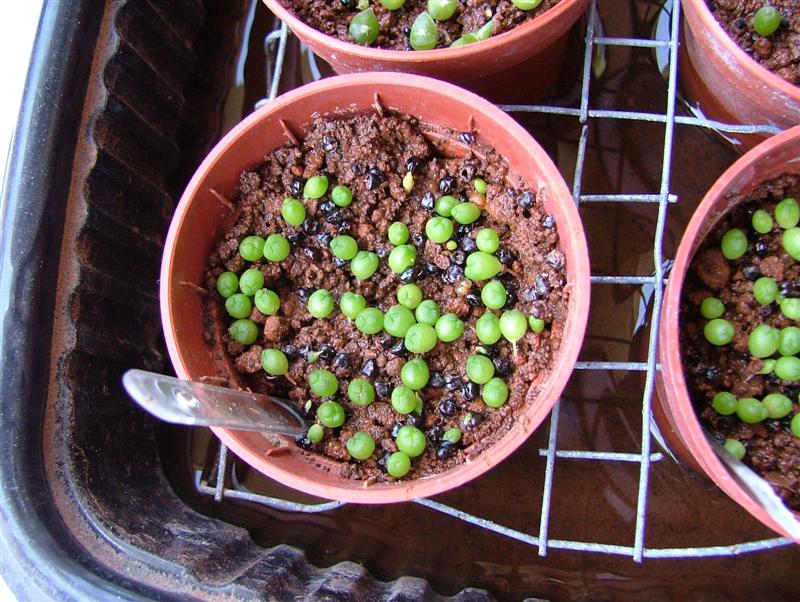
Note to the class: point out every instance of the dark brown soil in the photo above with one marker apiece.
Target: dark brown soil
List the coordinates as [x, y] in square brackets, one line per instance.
[332, 17]
[347, 150]
[779, 52]
[772, 450]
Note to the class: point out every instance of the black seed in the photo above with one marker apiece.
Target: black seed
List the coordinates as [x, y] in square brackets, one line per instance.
[383, 460]
[751, 272]
[324, 239]
[408, 275]
[399, 349]
[555, 258]
[447, 407]
[467, 137]
[446, 184]
[472, 419]
[382, 252]
[436, 380]
[358, 169]
[337, 216]
[413, 164]
[548, 221]
[789, 288]
[525, 200]
[407, 31]
[327, 206]
[453, 274]
[464, 230]
[445, 450]
[467, 172]
[772, 378]
[765, 311]
[784, 21]
[339, 263]
[329, 143]
[296, 187]
[434, 434]
[791, 391]
[302, 441]
[414, 419]
[290, 351]
[418, 238]
[542, 286]
[502, 366]
[472, 299]
[342, 360]
[311, 226]
[343, 227]
[470, 391]
[511, 299]
[396, 429]
[386, 342]
[431, 268]
[713, 374]
[382, 389]
[313, 253]
[375, 178]
[303, 293]
[326, 353]
[428, 200]
[368, 368]
[741, 23]
[295, 238]
[458, 257]
[530, 295]
[451, 382]
[468, 244]
[761, 248]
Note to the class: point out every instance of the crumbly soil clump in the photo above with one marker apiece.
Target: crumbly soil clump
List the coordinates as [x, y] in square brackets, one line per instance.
[771, 448]
[779, 52]
[332, 17]
[371, 154]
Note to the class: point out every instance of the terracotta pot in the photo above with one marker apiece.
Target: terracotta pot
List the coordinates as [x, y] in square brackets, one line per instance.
[726, 84]
[199, 216]
[674, 411]
[518, 64]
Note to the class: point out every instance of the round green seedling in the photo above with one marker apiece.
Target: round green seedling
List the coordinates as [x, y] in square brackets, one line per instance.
[251, 281]
[344, 247]
[495, 393]
[238, 305]
[439, 229]
[735, 448]
[323, 382]
[401, 258]
[444, 205]
[415, 374]
[341, 195]
[482, 266]
[315, 433]
[251, 248]
[487, 328]
[274, 362]
[442, 10]
[360, 446]
[361, 392]
[398, 233]
[409, 295]
[276, 247]
[778, 406]
[398, 464]
[321, 303]
[734, 244]
[423, 34]
[791, 242]
[765, 290]
[711, 308]
[725, 403]
[404, 400]
[787, 213]
[420, 338]
[364, 264]
[227, 284]
[750, 410]
[480, 369]
[767, 20]
[293, 211]
[410, 440]
[370, 320]
[449, 327]
[494, 295]
[331, 414]
[513, 325]
[267, 301]
[243, 331]
[762, 221]
[398, 320]
[763, 341]
[352, 304]
[719, 332]
[465, 213]
[316, 186]
[427, 312]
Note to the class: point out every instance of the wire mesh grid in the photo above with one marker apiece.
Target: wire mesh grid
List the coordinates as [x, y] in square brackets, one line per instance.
[275, 45]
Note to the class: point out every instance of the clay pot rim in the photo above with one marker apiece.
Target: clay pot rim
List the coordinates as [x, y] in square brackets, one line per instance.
[399, 57]
[672, 374]
[532, 415]
[700, 9]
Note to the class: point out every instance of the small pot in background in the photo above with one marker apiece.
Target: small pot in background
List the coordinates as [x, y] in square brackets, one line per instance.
[673, 408]
[728, 85]
[516, 65]
[199, 217]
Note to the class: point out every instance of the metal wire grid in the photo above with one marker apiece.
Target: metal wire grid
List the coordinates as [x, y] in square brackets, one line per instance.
[275, 46]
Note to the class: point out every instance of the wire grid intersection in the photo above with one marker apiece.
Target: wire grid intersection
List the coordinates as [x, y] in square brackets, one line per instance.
[275, 48]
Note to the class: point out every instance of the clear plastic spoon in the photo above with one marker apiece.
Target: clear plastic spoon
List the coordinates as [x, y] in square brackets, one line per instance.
[759, 489]
[197, 404]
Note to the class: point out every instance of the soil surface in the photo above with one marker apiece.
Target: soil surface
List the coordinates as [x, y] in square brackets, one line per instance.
[772, 450]
[371, 155]
[779, 52]
[333, 19]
